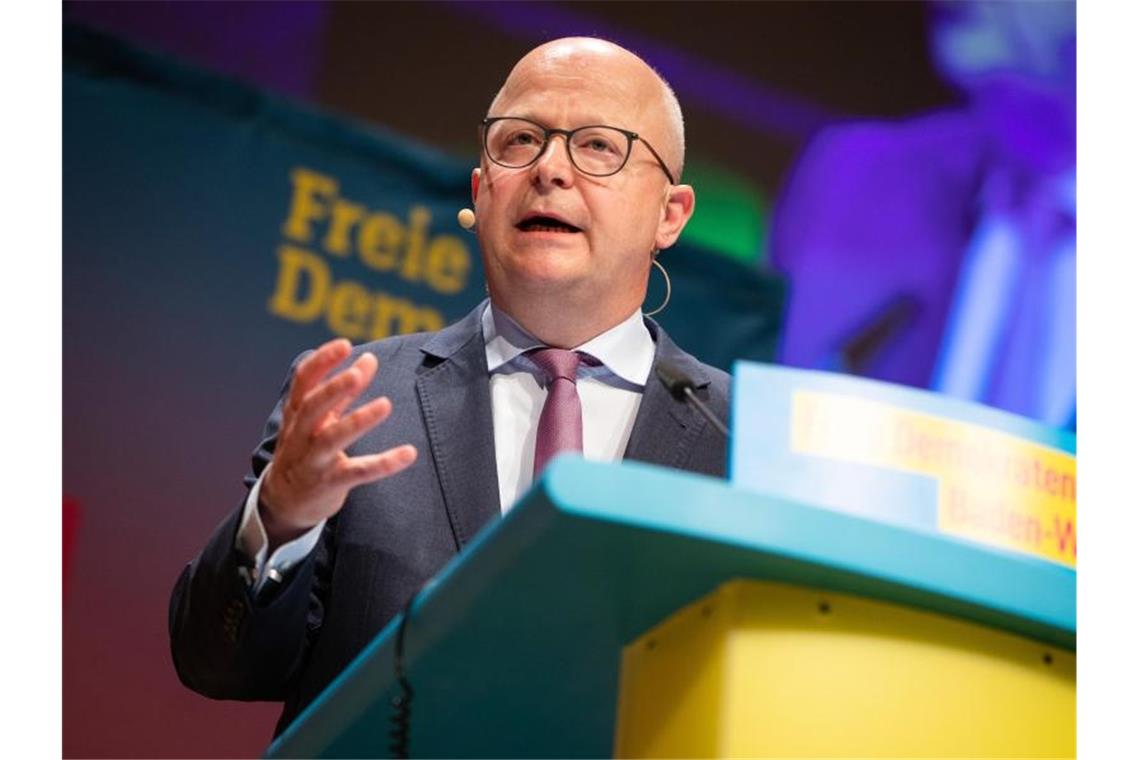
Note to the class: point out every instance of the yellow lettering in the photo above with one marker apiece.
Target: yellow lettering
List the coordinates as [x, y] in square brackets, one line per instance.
[306, 290]
[418, 220]
[287, 300]
[448, 263]
[379, 241]
[349, 305]
[306, 207]
[394, 316]
[383, 316]
[344, 216]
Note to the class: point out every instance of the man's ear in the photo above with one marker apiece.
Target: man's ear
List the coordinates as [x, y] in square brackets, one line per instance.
[675, 214]
[475, 173]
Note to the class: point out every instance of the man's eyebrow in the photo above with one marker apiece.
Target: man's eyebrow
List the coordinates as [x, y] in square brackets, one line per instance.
[591, 120]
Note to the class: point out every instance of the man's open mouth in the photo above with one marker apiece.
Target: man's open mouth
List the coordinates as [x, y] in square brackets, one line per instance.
[545, 224]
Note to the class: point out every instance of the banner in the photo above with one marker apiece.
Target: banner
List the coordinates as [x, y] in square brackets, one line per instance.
[913, 458]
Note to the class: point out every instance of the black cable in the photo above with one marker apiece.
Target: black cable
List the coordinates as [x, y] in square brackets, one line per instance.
[401, 718]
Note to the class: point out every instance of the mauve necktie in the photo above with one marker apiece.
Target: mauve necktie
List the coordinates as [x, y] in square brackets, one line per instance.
[560, 424]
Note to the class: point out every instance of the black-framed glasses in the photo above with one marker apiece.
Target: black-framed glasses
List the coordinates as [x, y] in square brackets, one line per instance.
[595, 149]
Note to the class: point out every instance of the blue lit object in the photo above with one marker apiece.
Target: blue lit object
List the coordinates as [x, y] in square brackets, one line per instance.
[989, 275]
[968, 213]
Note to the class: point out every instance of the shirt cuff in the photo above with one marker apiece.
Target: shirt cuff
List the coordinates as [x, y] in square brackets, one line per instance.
[254, 543]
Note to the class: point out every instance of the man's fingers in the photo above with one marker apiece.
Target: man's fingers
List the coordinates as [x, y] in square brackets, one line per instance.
[355, 471]
[315, 366]
[340, 389]
[351, 427]
[368, 371]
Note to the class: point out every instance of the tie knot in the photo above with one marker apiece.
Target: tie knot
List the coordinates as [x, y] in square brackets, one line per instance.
[557, 363]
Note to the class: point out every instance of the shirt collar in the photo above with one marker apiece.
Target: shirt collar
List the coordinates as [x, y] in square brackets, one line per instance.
[626, 349]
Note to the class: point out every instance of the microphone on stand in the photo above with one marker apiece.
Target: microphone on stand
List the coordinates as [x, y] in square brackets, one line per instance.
[680, 386]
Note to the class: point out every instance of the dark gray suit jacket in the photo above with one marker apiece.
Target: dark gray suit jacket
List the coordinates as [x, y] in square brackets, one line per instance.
[392, 536]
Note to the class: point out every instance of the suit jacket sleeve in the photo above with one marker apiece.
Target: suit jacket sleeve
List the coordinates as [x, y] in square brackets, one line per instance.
[228, 644]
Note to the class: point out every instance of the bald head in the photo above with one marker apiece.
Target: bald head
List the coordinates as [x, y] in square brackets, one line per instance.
[595, 61]
[567, 251]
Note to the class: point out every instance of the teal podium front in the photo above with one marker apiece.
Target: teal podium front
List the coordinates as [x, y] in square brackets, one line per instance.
[515, 649]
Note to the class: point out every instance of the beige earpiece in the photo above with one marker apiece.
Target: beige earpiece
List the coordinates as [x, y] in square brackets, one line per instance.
[466, 216]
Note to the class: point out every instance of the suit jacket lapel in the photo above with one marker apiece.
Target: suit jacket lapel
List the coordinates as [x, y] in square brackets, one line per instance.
[666, 429]
[455, 399]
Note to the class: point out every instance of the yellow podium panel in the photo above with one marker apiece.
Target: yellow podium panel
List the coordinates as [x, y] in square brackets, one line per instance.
[761, 669]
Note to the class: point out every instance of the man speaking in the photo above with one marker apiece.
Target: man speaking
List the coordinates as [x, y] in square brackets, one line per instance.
[381, 462]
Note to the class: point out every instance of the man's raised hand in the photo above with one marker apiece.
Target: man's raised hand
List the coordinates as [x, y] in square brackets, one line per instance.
[311, 475]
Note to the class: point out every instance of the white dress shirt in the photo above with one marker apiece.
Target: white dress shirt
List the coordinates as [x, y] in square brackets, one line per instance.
[610, 394]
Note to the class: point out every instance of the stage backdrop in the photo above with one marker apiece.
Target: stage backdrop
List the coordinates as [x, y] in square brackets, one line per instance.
[211, 233]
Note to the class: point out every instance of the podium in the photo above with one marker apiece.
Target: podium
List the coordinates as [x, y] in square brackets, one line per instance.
[516, 648]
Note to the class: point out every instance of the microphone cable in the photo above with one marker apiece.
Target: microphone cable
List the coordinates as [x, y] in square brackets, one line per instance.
[399, 734]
